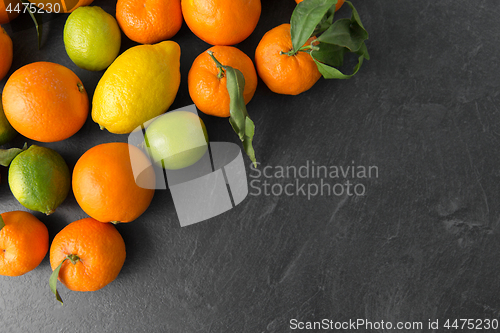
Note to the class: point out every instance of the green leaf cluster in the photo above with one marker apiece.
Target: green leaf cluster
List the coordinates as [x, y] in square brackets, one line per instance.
[314, 18]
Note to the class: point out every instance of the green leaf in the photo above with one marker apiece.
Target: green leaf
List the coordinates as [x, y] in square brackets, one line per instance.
[235, 85]
[325, 22]
[2, 223]
[355, 16]
[239, 119]
[363, 51]
[343, 36]
[37, 19]
[7, 155]
[53, 281]
[305, 18]
[346, 34]
[330, 54]
[330, 72]
[247, 143]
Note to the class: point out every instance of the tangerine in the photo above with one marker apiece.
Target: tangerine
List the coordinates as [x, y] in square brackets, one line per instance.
[61, 6]
[149, 21]
[6, 52]
[207, 85]
[9, 10]
[95, 253]
[24, 242]
[281, 72]
[105, 185]
[221, 22]
[45, 102]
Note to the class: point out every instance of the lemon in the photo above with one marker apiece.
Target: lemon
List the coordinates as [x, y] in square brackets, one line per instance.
[40, 179]
[176, 139]
[92, 38]
[7, 132]
[139, 85]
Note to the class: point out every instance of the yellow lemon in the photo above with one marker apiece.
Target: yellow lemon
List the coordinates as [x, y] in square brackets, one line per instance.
[139, 85]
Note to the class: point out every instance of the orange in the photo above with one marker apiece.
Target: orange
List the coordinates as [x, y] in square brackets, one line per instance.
[104, 183]
[45, 102]
[95, 253]
[5, 52]
[149, 21]
[15, 8]
[24, 241]
[207, 87]
[337, 6]
[283, 73]
[221, 22]
[61, 6]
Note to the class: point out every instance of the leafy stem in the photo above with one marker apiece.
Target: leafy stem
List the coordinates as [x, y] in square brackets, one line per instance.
[306, 48]
[55, 275]
[220, 67]
[334, 39]
[239, 119]
[2, 223]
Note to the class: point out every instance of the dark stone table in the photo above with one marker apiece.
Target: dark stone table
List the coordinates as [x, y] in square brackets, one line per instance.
[421, 244]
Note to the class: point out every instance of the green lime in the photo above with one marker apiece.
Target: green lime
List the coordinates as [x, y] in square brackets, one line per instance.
[40, 179]
[176, 139]
[7, 132]
[92, 38]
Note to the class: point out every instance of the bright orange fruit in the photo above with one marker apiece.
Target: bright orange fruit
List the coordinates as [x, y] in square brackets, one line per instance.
[207, 86]
[149, 21]
[95, 252]
[24, 242]
[6, 52]
[45, 102]
[283, 73]
[9, 10]
[104, 184]
[61, 6]
[221, 22]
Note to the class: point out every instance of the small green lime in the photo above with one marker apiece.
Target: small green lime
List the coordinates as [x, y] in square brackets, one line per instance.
[92, 38]
[176, 139]
[40, 179]
[7, 132]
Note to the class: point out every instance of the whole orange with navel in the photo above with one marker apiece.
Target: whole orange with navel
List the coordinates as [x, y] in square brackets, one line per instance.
[221, 22]
[45, 101]
[105, 185]
[6, 53]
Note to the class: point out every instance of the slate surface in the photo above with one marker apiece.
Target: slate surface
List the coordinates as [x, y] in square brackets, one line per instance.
[421, 244]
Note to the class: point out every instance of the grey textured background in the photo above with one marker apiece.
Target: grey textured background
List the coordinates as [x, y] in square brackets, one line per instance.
[423, 243]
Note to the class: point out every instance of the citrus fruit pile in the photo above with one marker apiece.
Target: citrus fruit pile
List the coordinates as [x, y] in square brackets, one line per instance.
[46, 102]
